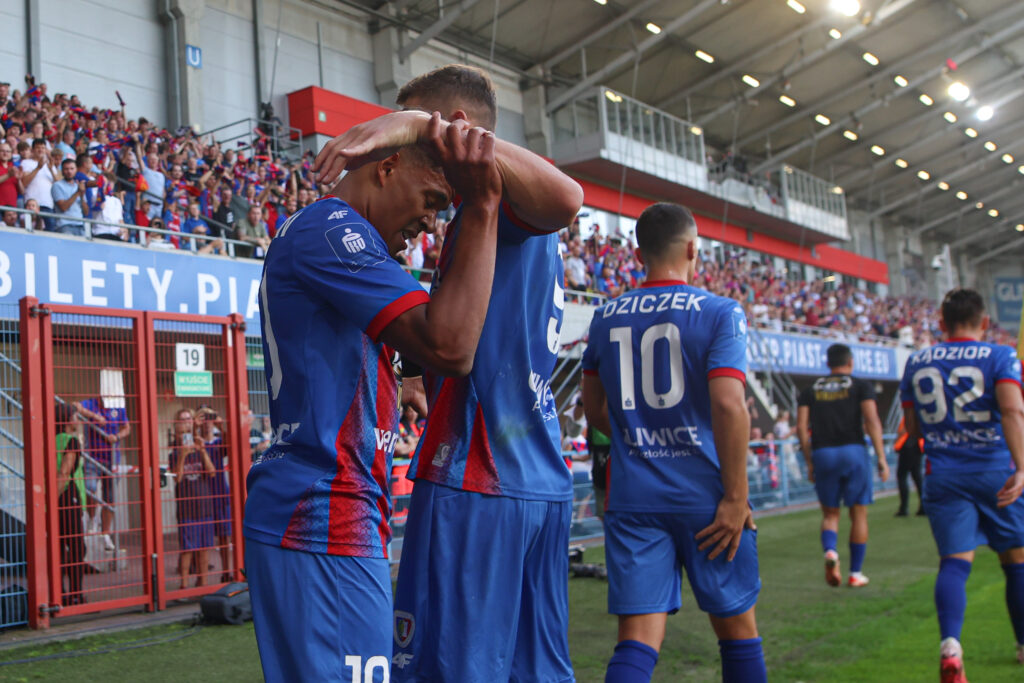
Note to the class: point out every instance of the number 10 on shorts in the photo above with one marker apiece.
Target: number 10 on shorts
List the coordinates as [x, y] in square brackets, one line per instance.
[355, 663]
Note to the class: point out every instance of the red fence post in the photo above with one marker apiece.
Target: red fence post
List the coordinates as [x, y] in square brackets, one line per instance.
[35, 464]
[240, 418]
[149, 459]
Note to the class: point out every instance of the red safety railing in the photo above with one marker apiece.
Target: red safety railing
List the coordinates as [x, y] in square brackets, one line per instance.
[155, 511]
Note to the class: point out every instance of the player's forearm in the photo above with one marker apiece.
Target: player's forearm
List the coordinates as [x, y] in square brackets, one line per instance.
[874, 430]
[456, 313]
[1013, 431]
[538, 192]
[731, 425]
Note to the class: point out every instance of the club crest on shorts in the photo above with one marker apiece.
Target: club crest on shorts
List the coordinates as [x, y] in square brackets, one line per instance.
[405, 627]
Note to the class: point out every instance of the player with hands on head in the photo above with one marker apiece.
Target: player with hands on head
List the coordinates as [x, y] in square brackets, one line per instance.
[664, 375]
[492, 445]
[832, 416]
[335, 306]
[963, 396]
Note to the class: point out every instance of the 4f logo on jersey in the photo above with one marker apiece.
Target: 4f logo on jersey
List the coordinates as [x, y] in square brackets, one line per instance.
[405, 627]
[340, 213]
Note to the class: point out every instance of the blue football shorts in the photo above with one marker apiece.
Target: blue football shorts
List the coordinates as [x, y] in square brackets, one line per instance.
[483, 589]
[320, 617]
[842, 474]
[961, 507]
[646, 553]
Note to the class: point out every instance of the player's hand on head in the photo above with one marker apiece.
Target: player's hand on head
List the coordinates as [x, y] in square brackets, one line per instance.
[370, 141]
[466, 154]
[1011, 490]
[726, 531]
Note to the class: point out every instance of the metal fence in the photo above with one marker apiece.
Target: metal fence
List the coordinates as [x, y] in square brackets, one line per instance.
[13, 565]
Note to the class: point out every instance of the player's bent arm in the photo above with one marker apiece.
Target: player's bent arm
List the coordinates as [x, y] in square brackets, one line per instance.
[730, 424]
[1011, 406]
[595, 403]
[803, 430]
[538, 192]
[443, 334]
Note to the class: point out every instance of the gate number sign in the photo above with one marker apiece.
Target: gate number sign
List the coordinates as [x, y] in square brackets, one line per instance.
[190, 357]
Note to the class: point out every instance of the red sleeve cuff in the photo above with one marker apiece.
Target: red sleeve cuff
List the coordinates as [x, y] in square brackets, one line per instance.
[394, 309]
[1012, 380]
[519, 222]
[728, 372]
[907, 404]
[588, 371]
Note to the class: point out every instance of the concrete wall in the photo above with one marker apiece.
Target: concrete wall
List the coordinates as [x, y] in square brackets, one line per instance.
[13, 48]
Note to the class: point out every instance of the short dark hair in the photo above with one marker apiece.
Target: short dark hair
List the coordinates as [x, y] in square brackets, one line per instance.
[66, 161]
[962, 307]
[82, 158]
[39, 141]
[467, 85]
[838, 355]
[63, 413]
[662, 224]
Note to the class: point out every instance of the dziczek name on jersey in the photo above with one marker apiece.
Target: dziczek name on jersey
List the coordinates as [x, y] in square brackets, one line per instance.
[654, 303]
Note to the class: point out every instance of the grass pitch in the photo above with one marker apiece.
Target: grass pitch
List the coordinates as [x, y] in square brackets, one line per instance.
[884, 632]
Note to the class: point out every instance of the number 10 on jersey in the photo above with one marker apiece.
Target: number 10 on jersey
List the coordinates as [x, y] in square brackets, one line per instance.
[623, 336]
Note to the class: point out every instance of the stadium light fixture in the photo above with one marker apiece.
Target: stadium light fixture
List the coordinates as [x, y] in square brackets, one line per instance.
[850, 135]
[822, 119]
[924, 175]
[601, 2]
[835, 33]
[837, 190]
[994, 213]
[848, 8]
[750, 80]
[1007, 158]
[959, 91]
[900, 81]
[787, 100]
[1020, 169]
[979, 205]
[991, 146]
[829, 278]
[1020, 227]
[704, 57]
[796, 6]
[902, 163]
[943, 185]
[613, 96]
[877, 150]
[970, 132]
[697, 130]
[961, 195]
[870, 58]
[949, 116]
[926, 100]
[653, 28]
[985, 113]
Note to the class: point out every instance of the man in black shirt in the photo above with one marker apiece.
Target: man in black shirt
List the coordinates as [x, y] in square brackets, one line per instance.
[832, 417]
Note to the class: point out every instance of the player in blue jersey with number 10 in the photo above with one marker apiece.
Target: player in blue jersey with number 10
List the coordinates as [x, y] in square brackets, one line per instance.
[964, 397]
[665, 369]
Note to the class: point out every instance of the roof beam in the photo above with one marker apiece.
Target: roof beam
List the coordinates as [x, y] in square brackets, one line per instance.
[590, 36]
[934, 72]
[997, 251]
[805, 61]
[975, 236]
[623, 59]
[435, 29]
[733, 68]
[934, 223]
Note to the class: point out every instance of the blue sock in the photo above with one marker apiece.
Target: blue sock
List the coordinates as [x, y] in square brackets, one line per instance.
[951, 595]
[1015, 598]
[857, 551]
[633, 662]
[829, 539]
[742, 661]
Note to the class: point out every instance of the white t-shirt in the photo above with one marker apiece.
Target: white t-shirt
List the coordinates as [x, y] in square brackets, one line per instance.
[112, 212]
[42, 183]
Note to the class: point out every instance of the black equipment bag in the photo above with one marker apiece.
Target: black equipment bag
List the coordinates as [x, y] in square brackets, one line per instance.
[230, 605]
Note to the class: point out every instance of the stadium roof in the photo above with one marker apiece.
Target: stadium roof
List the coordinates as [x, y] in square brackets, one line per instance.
[906, 104]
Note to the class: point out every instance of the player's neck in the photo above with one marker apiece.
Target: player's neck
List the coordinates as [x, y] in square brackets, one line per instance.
[667, 274]
[349, 190]
[964, 334]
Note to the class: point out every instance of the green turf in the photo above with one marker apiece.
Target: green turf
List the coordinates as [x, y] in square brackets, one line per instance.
[884, 632]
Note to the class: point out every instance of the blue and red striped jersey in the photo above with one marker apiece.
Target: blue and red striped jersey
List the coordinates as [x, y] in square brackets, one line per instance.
[329, 289]
[496, 430]
[656, 349]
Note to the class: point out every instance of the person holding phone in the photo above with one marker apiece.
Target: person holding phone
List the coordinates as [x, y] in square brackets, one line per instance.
[192, 469]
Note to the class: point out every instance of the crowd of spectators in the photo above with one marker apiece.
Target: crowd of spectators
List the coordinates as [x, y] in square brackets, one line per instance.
[59, 157]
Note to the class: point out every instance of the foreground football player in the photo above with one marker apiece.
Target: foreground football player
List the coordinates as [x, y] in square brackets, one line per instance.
[665, 369]
[335, 306]
[964, 397]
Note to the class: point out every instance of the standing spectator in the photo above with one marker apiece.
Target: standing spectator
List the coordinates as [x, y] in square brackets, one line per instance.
[259, 437]
[69, 200]
[156, 183]
[576, 269]
[107, 427]
[210, 435]
[112, 215]
[10, 174]
[70, 504]
[173, 222]
[834, 413]
[66, 146]
[289, 206]
[253, 230]
[192, 469]
[909, 462]
[783, 430]
[127, 173]
[38, 173]
[32, 221]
